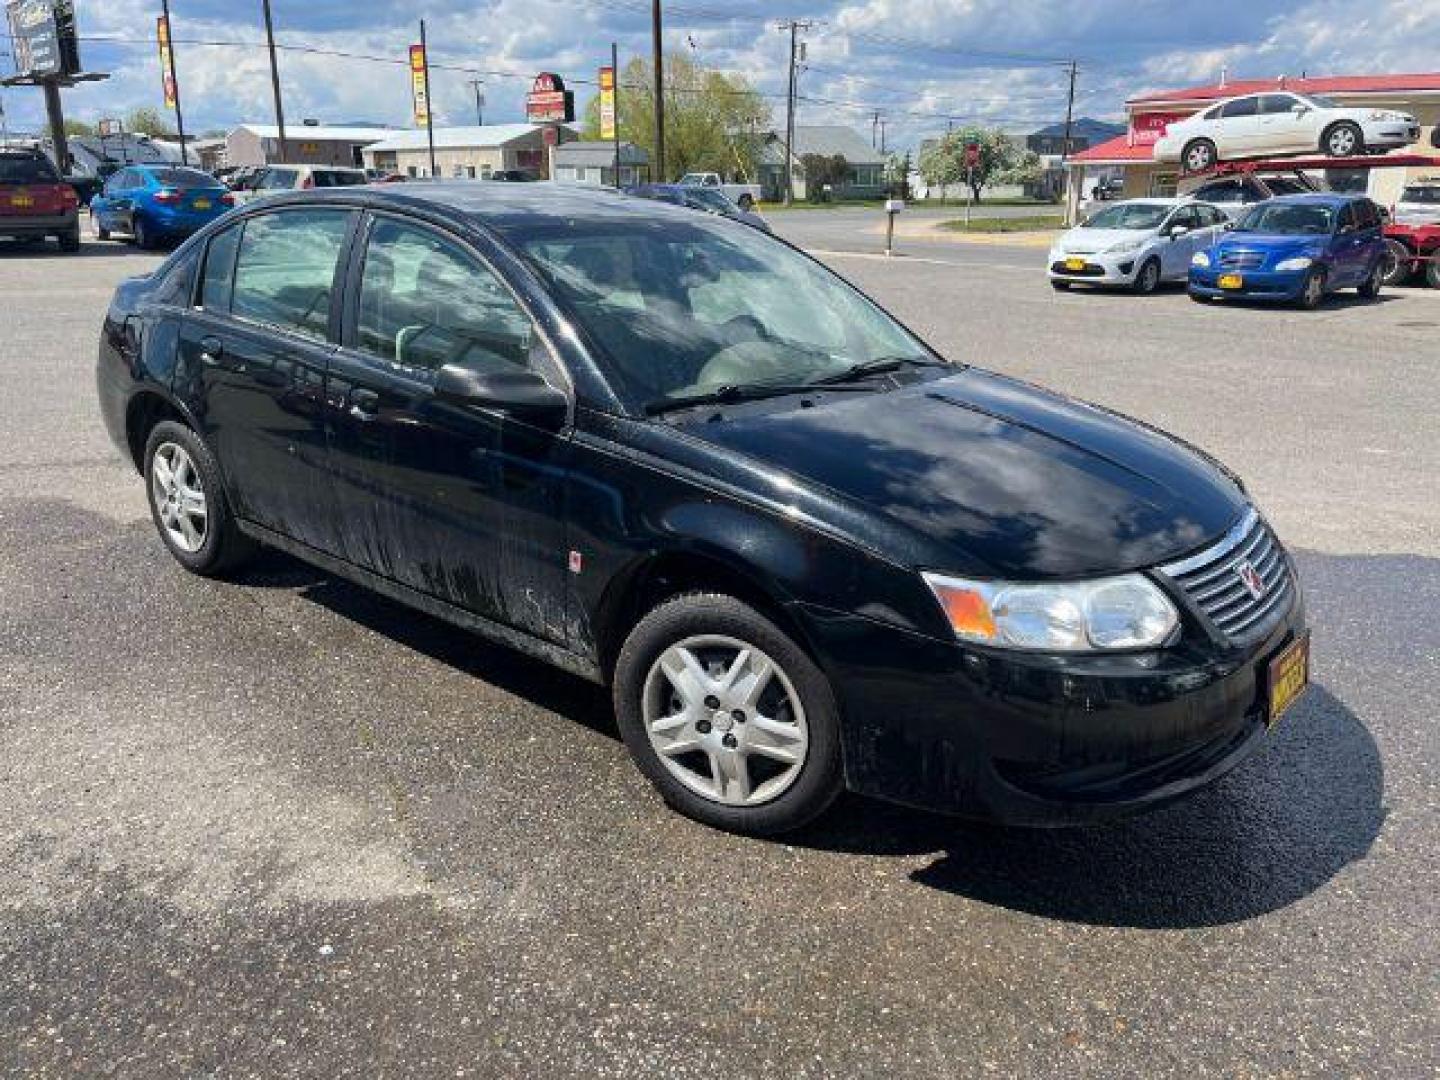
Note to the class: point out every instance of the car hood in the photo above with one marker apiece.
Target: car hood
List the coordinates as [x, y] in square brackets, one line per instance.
[1089, 241]
[1280, 244]
[994, 477]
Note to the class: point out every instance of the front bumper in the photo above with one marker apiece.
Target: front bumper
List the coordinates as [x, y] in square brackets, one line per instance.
[1098, 269]
[1390, 133]
[1254, 284]
[1042, 740]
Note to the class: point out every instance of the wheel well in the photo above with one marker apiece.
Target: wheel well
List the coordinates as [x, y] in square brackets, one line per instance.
[143, 413]
[672, 574]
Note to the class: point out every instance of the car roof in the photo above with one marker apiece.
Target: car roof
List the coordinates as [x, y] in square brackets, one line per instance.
[1316, 198]
[513, 209]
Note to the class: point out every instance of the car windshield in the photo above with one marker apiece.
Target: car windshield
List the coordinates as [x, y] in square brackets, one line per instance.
[184, 178]
[677, 309]
[1421, 193]
[1288, 219]
[1128, 216]
[1285, 185]
[27, 170]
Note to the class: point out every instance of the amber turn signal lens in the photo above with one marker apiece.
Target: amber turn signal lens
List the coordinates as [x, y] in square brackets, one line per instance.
[968, 611]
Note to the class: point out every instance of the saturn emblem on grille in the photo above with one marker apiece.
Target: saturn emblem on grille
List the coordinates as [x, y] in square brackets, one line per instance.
[1251, 579]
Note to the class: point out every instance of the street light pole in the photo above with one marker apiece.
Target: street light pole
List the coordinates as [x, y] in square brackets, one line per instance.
[657, 47]
[174, 80]
[275, 79]
[429, 102]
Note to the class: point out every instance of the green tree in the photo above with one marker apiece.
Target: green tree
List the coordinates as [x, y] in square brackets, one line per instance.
[148, 121]
[898, 168]
[78, 128]
[1003, 160]
[711, 119]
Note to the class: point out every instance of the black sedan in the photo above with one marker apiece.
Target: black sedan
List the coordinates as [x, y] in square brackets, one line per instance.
[675, 455]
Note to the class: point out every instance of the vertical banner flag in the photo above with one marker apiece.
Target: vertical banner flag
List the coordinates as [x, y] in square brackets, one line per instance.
[167, 66]
[417, 85]
[607, 103]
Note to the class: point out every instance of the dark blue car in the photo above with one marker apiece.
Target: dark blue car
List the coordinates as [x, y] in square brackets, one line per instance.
[1295, 248]
[154, 203]
[698, 198]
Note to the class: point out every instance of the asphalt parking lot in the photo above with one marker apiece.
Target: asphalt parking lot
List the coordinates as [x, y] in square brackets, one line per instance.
[279, 826]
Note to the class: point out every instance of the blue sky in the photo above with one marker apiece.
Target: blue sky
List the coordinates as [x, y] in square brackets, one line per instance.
[918, 61]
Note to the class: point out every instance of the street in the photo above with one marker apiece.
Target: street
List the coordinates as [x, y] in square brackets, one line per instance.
[282, 826]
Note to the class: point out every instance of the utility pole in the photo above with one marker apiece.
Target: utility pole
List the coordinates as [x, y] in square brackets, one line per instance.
[874, 124]
[615, 97]
[657, 47]
[174, 81]
[794, 26]
[1069, 115]
[475, 85]
[882, 136]
[429, 101]
[275, 79]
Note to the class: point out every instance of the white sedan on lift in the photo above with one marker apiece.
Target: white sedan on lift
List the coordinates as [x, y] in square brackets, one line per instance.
[1282, 122]
[1136, 244]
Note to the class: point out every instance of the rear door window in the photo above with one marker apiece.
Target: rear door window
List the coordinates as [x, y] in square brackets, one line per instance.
[1245, 106]
[285, 272]
[1270, 104]
[219, 270]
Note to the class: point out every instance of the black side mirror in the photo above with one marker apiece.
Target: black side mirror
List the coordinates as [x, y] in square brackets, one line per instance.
[520, 393]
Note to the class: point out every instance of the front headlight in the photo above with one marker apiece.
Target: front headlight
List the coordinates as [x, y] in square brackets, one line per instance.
[1300, 262]
[1124, 246]
[1126, 612]
[1199, 259]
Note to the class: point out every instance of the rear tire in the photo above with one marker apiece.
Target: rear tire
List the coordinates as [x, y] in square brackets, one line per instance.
[1399, 263]
[1060, 286]
[1199, 298]
[70, 241]
[201, 533]
[746, 202]
[1371, 287]
[1432, 270]
[1343, 140]
[141, 232]
[748, 725]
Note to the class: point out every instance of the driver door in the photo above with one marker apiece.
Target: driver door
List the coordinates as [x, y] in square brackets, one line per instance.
[461, 503]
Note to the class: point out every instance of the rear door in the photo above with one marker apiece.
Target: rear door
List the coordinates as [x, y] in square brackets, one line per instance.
[1351, 248]
[1175, 252]
[1279, 128]
[253, 358]
[463, 504]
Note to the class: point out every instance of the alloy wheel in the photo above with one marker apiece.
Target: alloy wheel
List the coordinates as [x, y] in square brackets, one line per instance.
[179, 497]
[1198, 158]
[1314, 290]
[725, 720]
[1341, 142]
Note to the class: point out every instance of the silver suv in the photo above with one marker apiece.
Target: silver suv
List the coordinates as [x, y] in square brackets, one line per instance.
[1419, 203]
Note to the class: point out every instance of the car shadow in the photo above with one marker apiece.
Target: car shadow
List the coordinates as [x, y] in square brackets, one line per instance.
[89, 248]
[1265, 836]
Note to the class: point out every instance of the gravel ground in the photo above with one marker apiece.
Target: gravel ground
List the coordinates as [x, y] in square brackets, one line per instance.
[282, 827]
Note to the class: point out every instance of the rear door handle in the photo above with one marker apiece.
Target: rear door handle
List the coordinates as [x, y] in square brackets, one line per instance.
[364, 404]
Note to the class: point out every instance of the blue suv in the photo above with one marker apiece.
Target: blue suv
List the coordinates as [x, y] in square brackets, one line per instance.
[1295, 248]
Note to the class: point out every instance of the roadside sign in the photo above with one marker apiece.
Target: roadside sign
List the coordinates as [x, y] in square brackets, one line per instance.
[607, 103]
[167, 62]
[548, 101]
[419, 95]
[972, 155]
[43, 37]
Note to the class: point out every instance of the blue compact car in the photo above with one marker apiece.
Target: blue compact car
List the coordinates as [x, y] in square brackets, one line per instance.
[1295, 248]
[154, 203]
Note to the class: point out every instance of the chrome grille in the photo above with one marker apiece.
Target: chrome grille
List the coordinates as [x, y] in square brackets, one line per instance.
[1212, 579]
[1242, 260]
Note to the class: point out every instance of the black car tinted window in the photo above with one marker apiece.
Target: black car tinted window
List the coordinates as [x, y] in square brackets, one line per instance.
[219, 270]
[1245, 106]
[27, 170]
[1226, 191]
[286, 268]
[1277, 103]
[425, 302]
[338, 178]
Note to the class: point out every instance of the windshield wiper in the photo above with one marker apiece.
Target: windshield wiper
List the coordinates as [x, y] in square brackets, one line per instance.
[880, 366]
[731, 393]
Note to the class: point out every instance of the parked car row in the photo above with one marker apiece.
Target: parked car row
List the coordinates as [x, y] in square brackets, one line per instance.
[1296, 248]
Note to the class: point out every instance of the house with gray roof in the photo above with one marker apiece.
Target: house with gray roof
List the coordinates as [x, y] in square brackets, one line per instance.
[866, 165]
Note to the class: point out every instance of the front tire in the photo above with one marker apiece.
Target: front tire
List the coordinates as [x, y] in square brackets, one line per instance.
[1199, 156]
[1343, 140]
[1313, 291]
[1399, 263]
[188, 504]
[727, 716]
[1147, 278]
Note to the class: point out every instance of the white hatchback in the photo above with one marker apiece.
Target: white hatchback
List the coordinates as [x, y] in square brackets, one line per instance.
[1278, 123]
[1137, 243]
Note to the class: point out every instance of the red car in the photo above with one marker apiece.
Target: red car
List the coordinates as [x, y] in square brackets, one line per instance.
[1413, 232]
[35, 201]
